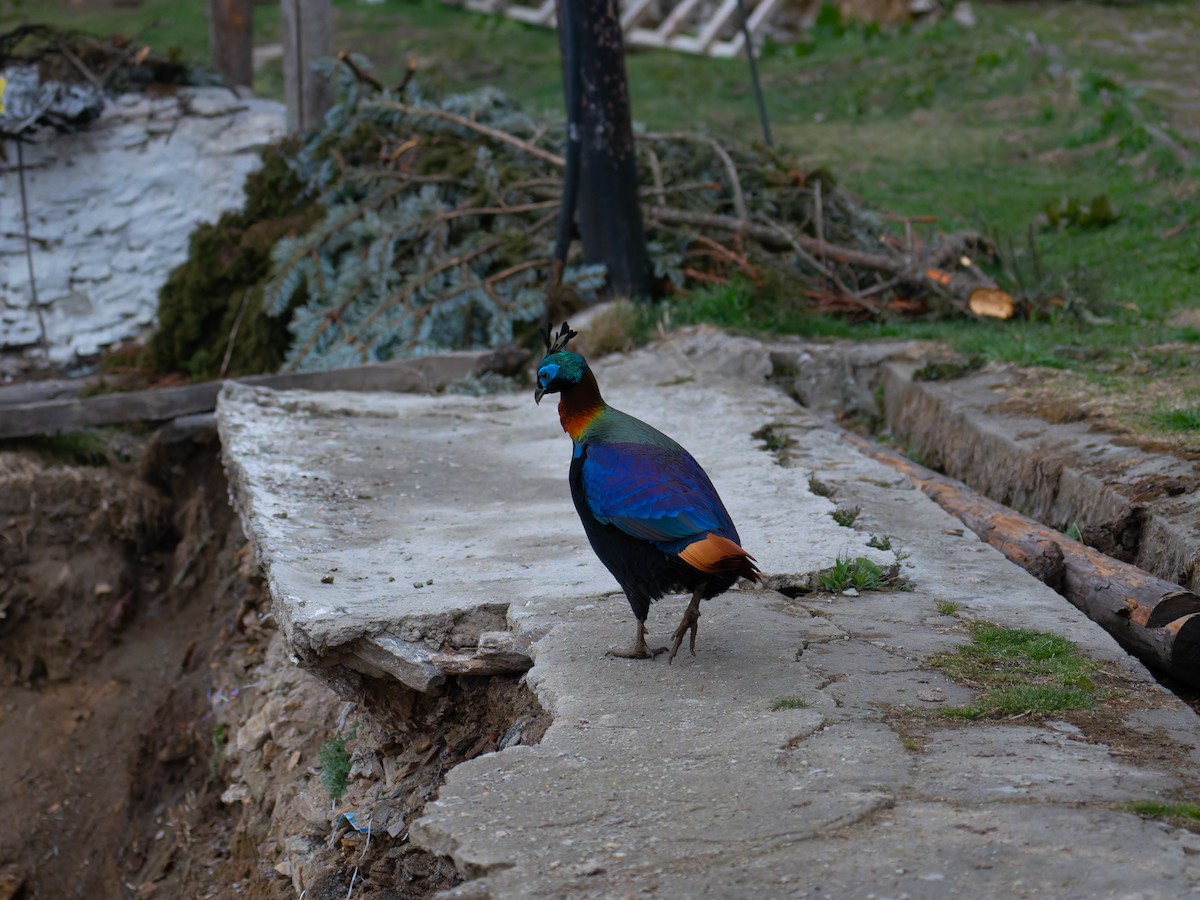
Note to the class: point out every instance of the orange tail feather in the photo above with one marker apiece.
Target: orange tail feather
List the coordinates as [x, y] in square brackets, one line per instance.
[719, 555]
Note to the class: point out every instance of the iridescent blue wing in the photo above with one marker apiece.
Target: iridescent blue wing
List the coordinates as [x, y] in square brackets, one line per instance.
[658, 494]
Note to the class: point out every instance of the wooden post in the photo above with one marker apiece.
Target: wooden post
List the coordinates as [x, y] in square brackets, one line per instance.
[307, 36]
[231, 36]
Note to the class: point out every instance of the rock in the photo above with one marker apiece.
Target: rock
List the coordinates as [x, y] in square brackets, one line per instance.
[254, 733]
[112, 207]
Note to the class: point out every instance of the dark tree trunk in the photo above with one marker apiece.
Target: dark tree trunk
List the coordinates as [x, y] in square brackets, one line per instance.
[231, 35]
[608, 215]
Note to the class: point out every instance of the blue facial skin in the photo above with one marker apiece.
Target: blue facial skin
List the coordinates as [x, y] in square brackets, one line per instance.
[545, 377]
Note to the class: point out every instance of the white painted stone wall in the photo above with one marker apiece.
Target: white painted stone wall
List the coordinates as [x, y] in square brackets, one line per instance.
[111, 209]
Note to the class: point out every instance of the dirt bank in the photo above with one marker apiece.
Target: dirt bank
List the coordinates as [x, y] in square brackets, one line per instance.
[159, 741]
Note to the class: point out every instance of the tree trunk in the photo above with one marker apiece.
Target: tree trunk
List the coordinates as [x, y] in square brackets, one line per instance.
[307, 35]
[231, 36]
[608, 215]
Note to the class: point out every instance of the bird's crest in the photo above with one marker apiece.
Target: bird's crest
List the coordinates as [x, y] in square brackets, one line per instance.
[559, 341]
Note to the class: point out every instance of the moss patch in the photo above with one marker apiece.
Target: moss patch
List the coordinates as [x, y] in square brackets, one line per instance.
[227, 264]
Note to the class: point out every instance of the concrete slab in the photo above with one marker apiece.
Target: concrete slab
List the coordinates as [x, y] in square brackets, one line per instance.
[689, 780]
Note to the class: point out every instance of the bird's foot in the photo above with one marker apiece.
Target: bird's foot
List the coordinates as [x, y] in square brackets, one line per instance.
[637, 651]
[689, 623]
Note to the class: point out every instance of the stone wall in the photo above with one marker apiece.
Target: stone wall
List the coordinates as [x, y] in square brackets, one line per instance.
[111, 208]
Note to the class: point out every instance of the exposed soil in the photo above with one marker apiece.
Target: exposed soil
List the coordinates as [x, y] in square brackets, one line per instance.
[159, 742]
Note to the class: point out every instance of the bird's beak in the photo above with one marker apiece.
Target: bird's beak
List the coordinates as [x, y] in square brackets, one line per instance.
[538, 394]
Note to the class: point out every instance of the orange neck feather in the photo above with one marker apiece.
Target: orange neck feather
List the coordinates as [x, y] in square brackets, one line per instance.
[579, 405]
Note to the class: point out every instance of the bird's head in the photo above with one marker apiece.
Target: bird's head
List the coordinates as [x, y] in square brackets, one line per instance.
[559, 371]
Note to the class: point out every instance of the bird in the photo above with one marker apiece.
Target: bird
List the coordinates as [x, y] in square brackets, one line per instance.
[649, 510]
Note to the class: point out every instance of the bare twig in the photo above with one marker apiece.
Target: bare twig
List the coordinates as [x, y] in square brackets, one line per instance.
[359, 75]
[33, 295]
[656, 173]
[735, 184]
[497, 210]
[78, 64]
[233, 333]
[778, 238]
[493, 133]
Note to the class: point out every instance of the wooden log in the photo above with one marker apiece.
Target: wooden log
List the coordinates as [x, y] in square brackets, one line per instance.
[231, 40]
[307, 27]
[1155, 620]
[424, 373]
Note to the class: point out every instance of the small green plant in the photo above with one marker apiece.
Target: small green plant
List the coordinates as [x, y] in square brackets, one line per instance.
[1074, 532]
[1019, 672]
[846, 515]
[790, 703]
[859, 573]
[1152, 809]
[219, 739]
[947, 607]
[1176, 418]
[880, 542]
[335, 766]
[820, 488]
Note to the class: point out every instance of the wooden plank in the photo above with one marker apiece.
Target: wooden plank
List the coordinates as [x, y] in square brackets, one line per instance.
[231, 40]
[1155, 620]
[425, 373]
[718, 20]
[676, 19]
[541, 15]
[634, 14]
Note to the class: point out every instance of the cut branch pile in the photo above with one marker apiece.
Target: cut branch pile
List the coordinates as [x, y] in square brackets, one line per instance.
[438, 223]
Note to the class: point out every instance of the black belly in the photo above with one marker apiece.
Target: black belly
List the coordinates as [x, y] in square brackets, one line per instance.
[644, 572]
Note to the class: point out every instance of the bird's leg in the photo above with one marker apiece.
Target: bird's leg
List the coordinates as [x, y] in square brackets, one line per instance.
[689, 622]
[639, 650]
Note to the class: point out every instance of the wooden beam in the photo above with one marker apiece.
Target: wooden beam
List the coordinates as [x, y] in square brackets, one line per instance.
[307, 27]
[1155, 620]
[420, 374]
[231, 40]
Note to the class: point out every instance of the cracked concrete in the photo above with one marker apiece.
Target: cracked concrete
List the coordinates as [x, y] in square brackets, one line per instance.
[694, 779]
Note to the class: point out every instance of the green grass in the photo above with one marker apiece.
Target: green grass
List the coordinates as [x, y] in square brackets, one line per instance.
[790, 703]
[859, 573]
[1185, 812]
[1019, 672]
[1177, 419]
[880, 542]
[947, 607]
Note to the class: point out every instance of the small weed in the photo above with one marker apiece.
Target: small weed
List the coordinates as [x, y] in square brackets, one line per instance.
[846, 515]
[790, 703]
[880, 542]
[1186, 813]
[1177, 419]
[911, 743]
[859, 573]
[219, 740]
[1019, 672]
[1074, 532]
[948, 370]
[820, 488]
[775, 439]
[335, 766]
[947, 607]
